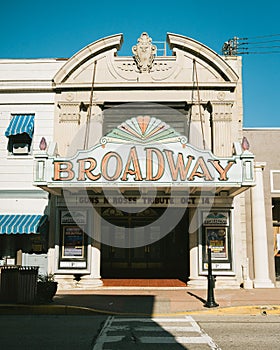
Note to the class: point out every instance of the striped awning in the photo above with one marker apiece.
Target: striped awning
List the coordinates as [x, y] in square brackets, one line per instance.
[21, 123]
[12, 224]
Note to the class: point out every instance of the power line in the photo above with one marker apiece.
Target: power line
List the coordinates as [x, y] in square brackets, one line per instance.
[260, 47]
[259, 42]
[258, 53]
[240, 46]
[262, 36]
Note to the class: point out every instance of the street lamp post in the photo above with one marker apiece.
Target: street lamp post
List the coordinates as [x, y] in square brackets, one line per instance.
[211, 282]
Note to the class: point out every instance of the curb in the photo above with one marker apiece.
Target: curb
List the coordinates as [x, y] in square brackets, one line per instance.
[254, 310]
[16, 309]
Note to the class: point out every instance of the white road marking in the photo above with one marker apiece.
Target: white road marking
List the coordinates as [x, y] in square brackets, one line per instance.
[155, 319]
[173, 340]
[166, 328]
[125, 330]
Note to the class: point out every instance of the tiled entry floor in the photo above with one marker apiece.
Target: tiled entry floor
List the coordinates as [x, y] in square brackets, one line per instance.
[116, 282]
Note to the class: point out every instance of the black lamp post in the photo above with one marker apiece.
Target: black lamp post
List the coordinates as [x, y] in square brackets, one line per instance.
[211, 282]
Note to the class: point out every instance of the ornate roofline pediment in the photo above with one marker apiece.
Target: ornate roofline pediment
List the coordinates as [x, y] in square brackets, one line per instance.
[101, 45]
[144, 57]
[204, 53]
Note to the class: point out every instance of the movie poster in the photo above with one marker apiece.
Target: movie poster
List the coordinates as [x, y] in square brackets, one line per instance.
[217, 240]
[73, 242]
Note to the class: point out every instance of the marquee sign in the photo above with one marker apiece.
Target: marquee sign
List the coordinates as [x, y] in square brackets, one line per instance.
[143, 150]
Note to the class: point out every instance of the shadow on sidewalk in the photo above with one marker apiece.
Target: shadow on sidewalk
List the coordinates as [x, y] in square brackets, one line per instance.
[197, 297]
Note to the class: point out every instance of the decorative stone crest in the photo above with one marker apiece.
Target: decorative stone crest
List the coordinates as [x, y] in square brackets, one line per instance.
[144, 53]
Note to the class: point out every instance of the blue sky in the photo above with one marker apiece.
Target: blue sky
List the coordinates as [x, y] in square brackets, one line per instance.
[41, 29]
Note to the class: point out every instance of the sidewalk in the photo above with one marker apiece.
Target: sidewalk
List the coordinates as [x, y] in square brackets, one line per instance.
[155, 302]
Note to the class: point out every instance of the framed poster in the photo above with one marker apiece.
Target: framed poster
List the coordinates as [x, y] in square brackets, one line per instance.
[73, 242]
[216, 238]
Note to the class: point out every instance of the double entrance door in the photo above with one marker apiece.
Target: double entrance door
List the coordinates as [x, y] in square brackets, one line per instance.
[140, 248]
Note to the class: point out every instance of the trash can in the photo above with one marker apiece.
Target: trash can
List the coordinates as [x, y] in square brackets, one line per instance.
[27, 284]
[19, 284]
[9, 284]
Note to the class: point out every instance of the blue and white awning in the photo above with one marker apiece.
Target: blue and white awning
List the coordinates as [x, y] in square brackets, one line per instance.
[12, 224]
[21, 123]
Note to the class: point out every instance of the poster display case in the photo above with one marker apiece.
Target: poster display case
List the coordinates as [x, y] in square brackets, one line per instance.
[216, 235]
[73, 240]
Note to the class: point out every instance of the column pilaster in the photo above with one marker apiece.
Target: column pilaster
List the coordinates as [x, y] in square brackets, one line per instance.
[221, 123]
[94, 278]
[95, 125]
[261, 267]
[196, 134]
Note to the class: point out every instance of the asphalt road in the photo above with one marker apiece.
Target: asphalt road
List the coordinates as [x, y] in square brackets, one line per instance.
[98, 332]
[40, 332]
[242, 332]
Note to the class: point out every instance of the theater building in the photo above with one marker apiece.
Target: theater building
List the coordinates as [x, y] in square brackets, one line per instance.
[130, 166]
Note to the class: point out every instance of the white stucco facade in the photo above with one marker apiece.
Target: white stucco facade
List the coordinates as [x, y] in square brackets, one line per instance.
[72, 100]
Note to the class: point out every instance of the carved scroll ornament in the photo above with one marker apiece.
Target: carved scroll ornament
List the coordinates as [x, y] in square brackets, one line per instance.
[144, 53]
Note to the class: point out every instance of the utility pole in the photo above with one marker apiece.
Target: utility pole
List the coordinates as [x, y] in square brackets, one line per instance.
[230, 47]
